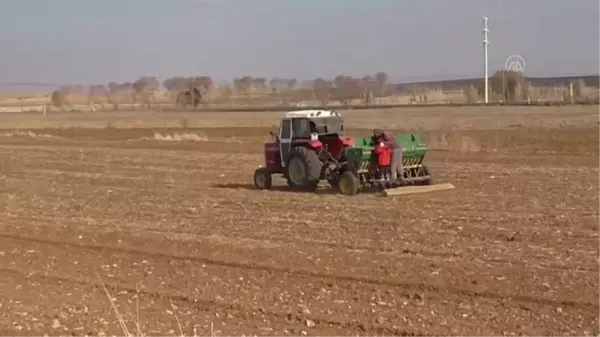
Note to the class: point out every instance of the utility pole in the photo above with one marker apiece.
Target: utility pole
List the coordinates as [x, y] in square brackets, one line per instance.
[485, 58]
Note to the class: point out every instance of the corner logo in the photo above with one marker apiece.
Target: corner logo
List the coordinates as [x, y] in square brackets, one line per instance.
[515, 63]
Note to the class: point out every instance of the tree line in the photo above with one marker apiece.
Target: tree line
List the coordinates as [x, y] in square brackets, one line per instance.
[190, 91]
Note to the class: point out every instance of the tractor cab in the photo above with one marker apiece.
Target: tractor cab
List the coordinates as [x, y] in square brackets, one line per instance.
[315, 129]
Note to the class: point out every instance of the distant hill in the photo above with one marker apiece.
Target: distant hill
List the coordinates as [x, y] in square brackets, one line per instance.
[590, 80]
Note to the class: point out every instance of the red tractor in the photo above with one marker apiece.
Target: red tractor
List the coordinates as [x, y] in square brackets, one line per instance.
[309, 147]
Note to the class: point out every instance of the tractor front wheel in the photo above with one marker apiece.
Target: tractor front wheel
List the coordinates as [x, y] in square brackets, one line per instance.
[262, 179]
[348, 184]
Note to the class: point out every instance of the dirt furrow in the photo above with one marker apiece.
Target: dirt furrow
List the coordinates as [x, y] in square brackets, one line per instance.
[377, 269]
[252, 313]
[282, 296]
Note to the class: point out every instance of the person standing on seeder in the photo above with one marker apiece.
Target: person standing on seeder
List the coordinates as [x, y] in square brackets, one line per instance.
[390, 141]
[384, 160]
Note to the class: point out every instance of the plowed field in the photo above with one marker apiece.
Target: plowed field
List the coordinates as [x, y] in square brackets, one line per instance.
[172, 233]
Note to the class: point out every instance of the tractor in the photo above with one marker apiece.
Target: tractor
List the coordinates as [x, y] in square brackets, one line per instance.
[310, 146]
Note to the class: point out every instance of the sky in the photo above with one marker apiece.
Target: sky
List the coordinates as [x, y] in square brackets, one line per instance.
[95, 42]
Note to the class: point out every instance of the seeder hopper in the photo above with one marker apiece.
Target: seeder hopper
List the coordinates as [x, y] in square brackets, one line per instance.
[311, 147]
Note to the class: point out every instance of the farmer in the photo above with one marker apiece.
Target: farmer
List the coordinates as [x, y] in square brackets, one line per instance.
[384, 160]
[388, 139]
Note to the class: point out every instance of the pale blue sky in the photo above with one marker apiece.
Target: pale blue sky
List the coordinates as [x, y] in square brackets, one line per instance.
[88, 42]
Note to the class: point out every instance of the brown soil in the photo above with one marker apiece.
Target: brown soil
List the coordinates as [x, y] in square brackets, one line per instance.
[176, 232]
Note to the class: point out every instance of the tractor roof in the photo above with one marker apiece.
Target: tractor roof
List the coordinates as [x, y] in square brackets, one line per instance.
[311, 114]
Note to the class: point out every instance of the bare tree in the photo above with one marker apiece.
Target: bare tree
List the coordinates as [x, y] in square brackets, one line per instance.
[508, 84]
[120, 93]
[369, 88]
[58, 99]
[113, 87]
[347, 88]
[98, 94]
[381, 79]
[175, 86]
[144, 89]
[197, 88]
[191, 90]
[67, 95]
[321, 90]
[246, 84]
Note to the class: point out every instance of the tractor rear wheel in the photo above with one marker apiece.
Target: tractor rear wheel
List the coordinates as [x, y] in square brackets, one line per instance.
[348, 183]
[262, 179]
[303, 168]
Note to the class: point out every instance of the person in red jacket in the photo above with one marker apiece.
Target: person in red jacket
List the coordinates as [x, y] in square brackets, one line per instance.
[384, 160]
[388, 139]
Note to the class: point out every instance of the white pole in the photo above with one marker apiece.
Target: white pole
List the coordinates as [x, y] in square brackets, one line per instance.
[485, 58]
[571, 93]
